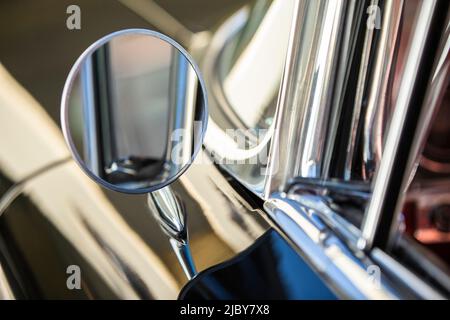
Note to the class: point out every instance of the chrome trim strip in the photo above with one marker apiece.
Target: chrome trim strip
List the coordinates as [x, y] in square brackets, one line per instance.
[382, 178]
[359, 96]
[347, 48]
[333, 220]
[346, 273]
[379, 99]
[304, 102]
[90, 114]
[406, 277]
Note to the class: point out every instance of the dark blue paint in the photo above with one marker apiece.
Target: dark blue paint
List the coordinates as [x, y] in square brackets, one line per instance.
[269, 269]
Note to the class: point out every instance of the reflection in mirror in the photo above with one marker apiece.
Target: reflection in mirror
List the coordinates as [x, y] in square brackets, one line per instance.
[134, 111]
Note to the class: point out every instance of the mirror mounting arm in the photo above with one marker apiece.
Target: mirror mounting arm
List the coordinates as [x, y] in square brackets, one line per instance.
[170, 213]
[183, 253]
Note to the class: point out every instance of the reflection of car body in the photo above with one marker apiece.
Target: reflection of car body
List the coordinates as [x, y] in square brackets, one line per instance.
[325, 91]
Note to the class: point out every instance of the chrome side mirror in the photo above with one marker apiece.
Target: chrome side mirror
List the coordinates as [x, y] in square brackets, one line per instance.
[134, 114]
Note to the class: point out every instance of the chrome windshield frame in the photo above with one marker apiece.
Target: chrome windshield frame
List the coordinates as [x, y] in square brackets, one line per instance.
[284, 164]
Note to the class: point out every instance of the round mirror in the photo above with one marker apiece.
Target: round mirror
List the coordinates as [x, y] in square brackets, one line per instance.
[134, 111]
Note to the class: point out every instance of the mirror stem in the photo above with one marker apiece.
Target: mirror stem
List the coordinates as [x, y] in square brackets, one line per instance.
[170, 213]
[183, 253]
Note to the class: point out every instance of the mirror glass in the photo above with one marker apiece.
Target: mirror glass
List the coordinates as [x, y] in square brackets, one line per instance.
[134, 111]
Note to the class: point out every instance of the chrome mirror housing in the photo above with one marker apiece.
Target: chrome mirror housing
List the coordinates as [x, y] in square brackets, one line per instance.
[134, 114]
[133, 111]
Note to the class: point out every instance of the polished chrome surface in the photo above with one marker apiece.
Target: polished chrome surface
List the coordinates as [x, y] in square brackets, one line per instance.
[376, 107]
[346, 56]
[323, 209]
[348, 272]
[363, 74]
[134, 124]
[184, 256]
[303, 108]
[378, 103]
[408, 80]
[335, 101]
[372, 104]
[169, 211]
[317, 58]
[345, 272]
[407, 278]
